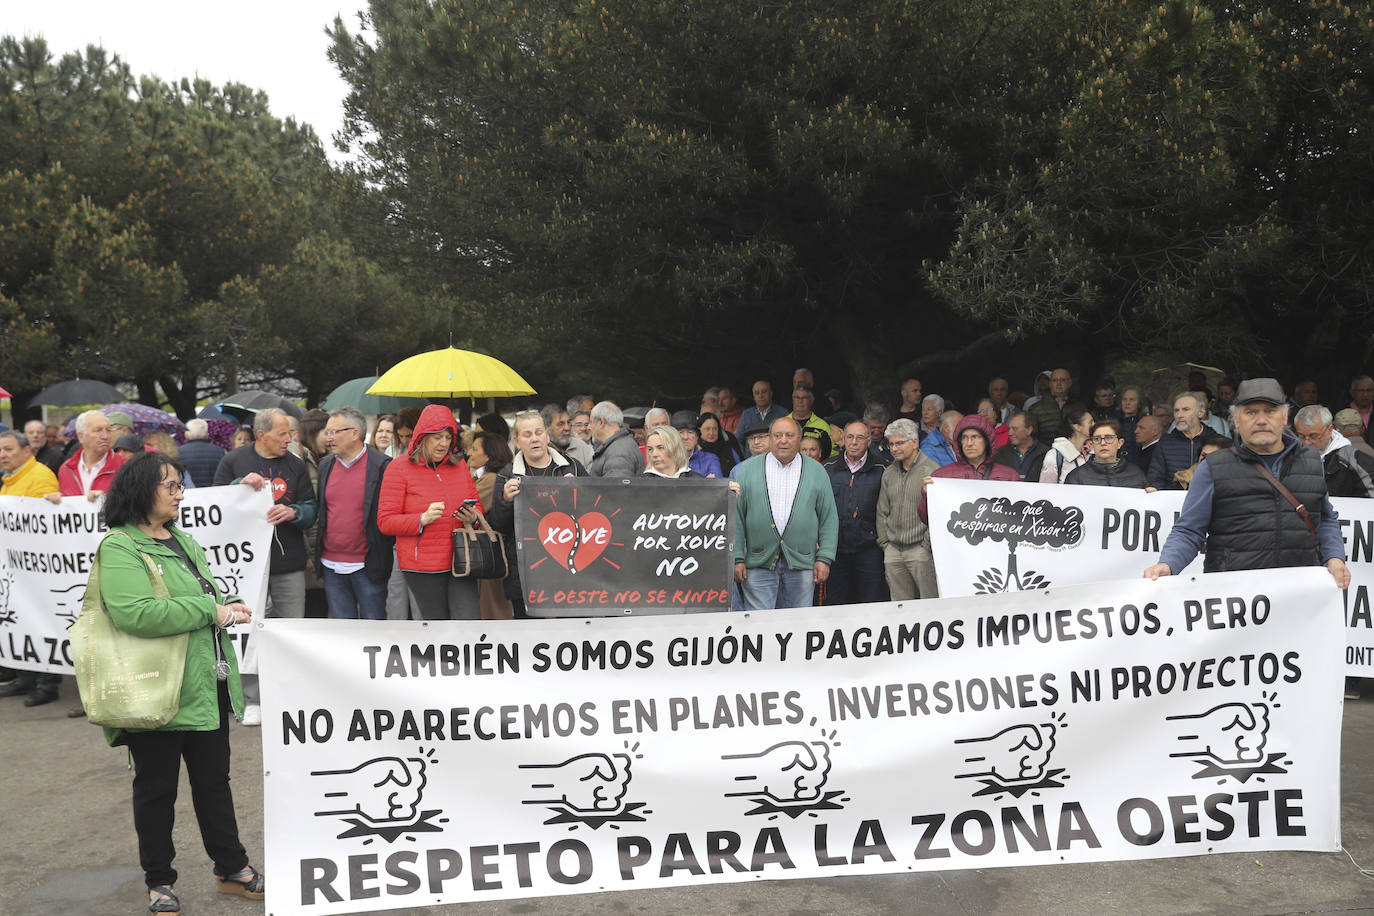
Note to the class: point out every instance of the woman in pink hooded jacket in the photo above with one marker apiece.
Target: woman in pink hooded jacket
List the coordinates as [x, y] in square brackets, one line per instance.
[425, 493]
[973, 458]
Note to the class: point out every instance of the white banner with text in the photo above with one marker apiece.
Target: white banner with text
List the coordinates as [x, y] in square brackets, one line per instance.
[48, 550]
[992, 537]
[422, 763]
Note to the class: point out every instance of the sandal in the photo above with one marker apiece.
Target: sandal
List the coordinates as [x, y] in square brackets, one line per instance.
[247, 883]
[162, 900]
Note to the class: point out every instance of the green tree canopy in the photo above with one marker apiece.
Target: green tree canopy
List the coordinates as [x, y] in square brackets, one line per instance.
[135, 215]
[696, 183]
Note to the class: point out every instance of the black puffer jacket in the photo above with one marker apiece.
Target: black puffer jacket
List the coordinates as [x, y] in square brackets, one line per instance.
[1253, 525]
[1119, 473]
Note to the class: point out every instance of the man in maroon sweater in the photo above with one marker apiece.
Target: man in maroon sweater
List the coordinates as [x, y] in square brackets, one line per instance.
[353, 557]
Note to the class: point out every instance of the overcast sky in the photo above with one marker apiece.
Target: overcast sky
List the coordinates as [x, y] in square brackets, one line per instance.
[278, 47]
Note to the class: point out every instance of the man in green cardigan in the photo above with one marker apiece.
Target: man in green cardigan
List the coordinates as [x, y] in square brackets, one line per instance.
[787, 527]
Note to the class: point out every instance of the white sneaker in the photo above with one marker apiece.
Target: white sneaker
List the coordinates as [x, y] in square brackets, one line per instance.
[252, 715]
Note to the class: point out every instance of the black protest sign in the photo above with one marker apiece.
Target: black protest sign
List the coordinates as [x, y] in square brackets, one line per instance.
[593, 547]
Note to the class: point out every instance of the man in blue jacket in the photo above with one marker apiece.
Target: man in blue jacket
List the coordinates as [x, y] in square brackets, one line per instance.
[787, 525]
[856, 476]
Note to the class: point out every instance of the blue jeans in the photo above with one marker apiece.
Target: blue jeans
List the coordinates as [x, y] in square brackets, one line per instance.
[354, 595]
[779, 587]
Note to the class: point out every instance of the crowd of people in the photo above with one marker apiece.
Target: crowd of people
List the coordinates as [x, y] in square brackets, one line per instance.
[830, 510]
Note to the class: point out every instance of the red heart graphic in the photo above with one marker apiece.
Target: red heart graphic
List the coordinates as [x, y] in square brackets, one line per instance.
[278, 488]
[574, 543]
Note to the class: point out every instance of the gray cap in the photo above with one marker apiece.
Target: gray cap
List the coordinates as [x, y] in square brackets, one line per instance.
[1260, 389]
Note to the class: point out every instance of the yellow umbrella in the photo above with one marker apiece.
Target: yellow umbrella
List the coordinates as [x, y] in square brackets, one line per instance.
[450, 373]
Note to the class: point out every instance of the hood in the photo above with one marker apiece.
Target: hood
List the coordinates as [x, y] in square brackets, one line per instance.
[1338, 441]
[978, 423]
[434, 418]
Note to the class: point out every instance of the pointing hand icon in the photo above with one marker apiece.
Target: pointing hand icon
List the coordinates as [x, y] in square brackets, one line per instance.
[586, 783]
[787, 772]
[1015, 754]
[381, 790]
[1230, 733]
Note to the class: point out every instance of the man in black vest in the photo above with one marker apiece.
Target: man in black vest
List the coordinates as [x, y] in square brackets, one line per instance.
[1245, 520]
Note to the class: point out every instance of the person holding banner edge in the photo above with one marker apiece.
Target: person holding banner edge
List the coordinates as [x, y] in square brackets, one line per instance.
[25, 475]
[141, 509]
[1239, 502]
[533, 458]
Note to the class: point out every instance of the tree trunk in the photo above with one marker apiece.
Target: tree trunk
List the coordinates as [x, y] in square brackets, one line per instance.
[181, 398]
[147, 388]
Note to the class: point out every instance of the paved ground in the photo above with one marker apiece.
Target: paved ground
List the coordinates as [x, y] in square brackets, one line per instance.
[69, 848]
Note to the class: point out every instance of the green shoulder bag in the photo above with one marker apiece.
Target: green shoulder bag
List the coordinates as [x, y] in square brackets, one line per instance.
[126, 681]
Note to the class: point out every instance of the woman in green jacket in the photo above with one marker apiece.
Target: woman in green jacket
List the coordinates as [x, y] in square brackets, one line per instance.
[141, 509]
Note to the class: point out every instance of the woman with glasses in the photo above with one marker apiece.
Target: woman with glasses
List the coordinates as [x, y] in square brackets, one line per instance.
[1109, 466]
[141, 509]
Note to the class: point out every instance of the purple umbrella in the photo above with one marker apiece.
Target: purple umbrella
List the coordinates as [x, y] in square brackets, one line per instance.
[222, 432]
[145, 420]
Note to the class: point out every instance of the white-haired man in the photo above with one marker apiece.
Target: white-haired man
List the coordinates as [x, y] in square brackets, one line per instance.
[88, 472]
[1348, 472]
[200, 456]
[615, 453]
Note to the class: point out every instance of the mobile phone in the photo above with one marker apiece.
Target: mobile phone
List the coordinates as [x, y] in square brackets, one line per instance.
[467, 504]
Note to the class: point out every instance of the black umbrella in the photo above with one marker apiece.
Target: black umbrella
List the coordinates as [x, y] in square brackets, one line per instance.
[77, 391]
[259, 400]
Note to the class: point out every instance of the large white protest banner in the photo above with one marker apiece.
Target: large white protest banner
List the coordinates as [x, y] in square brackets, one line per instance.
[410, 763]
[995, 537]
[48, 550]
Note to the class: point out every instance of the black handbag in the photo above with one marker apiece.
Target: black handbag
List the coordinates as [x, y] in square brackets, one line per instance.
[479, 553]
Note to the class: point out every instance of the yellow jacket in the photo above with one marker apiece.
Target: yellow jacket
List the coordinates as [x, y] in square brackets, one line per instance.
[32, 479]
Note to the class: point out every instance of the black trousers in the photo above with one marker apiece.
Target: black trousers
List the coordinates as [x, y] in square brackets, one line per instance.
[157, 768]
[441, 596]
[857, 577]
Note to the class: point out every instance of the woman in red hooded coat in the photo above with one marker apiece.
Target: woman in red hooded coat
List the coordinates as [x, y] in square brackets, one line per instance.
[421, 502]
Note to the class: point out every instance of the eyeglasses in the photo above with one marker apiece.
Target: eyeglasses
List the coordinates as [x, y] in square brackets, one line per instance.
[1103, 440]
[173, 486]
[332, 431]
[1312, 438]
